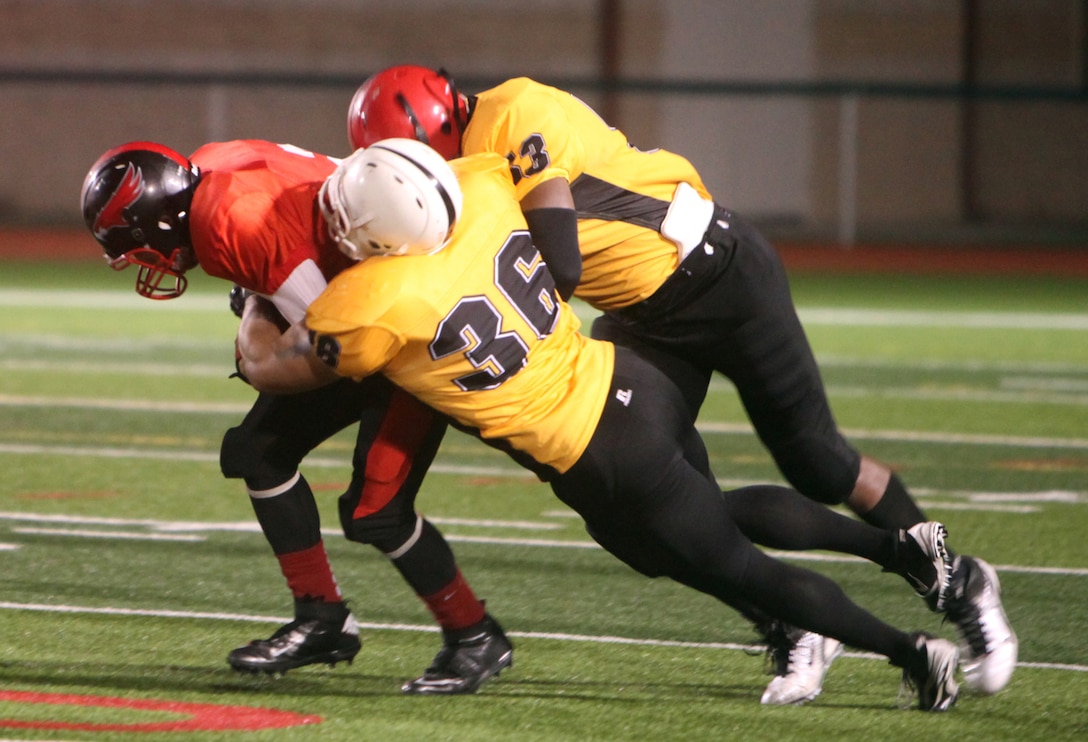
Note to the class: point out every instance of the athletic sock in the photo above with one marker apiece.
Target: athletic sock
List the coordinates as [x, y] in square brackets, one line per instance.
[895, 509]
[309, 575]
[287, 513]
[456, 608]
[428, 565]
[289, 519]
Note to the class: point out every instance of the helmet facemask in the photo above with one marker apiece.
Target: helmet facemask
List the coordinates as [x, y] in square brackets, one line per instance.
[331, 200]
[155, 269]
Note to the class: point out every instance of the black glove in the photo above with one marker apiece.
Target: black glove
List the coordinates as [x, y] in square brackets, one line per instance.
[238, 299]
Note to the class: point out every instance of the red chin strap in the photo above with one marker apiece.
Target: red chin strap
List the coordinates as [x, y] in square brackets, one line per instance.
[157, 278]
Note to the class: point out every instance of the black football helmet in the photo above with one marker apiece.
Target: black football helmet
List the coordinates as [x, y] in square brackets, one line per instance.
[135, 202]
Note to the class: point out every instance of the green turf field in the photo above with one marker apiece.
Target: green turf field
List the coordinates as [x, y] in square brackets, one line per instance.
[129, 567]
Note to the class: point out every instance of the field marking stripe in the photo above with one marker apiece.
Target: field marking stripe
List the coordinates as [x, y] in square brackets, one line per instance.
[901, 436]
[127, 369]
[831, 360]
[247, 526]
[85, 533]
[90, 403]
[815, 315]
[979, 439]
[541, 543]
[550, 636]
[721, 428]
[89, 299]
[1027, 396]
[505, 541]
[1034, 395]
[109, 346]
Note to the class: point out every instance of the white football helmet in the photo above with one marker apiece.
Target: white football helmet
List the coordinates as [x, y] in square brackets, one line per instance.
[396, 197]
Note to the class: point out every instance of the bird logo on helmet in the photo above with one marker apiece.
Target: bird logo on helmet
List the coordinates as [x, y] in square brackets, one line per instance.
[396, 197]
[135, 201]
[112, 215]
[412, 102]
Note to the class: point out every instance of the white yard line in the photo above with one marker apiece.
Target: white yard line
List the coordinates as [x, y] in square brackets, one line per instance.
[986, 501]
[839, 316]
[152, 526]
[201, 370]
[246, 526]
[711, 427]
[123, 405]
[111, 300]
[123, 535]
[1055, 392]
[549, 636]
[974, 439]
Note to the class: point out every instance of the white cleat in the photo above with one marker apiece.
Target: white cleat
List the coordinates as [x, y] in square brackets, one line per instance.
[933, 676]
[800, 669]
[988, 645]
[928, 540]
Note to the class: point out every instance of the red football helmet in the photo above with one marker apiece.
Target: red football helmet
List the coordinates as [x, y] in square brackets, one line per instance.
[409, 102]
[135, 202]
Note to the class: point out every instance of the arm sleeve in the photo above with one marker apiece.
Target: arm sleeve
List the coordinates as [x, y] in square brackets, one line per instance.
[294, 295]
[555, 234]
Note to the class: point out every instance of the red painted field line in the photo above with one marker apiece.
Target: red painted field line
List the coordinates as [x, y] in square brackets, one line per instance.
[201, 716]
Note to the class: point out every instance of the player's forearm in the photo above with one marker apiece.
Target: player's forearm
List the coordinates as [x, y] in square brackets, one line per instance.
[274, 360]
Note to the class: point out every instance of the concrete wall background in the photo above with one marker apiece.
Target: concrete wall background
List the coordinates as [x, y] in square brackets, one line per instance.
[780, 159]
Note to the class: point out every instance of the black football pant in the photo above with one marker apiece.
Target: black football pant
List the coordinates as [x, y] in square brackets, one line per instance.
[731, 311]
[646, 496]
[397, 441]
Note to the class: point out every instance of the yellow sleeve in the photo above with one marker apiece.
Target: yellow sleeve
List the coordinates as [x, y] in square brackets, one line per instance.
[345, 333]
[527, 123]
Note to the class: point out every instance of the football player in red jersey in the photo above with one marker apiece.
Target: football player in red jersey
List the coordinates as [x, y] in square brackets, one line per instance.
[245, 211]
[694, 288]
[474, 327]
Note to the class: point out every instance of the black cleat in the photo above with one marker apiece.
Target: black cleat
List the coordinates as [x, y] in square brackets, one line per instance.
[299, 643]
[463, 665]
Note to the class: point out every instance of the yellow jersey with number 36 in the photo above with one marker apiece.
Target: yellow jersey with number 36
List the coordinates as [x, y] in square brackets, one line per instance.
[475, 331]
[621, 193]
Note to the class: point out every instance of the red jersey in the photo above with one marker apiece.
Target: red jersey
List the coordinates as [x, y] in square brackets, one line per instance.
[254, 221]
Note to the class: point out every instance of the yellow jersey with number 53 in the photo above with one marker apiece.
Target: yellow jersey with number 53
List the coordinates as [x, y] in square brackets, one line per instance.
[475, 331]
[621, 193]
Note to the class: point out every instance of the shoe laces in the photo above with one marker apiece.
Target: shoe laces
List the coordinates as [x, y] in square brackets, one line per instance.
[908, 687]
[804, 650]
[963, 611]
[777, 650]
[785, 653]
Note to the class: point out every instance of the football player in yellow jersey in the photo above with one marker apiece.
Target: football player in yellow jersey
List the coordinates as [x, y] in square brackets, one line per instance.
[694, 288]
[475, 329]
